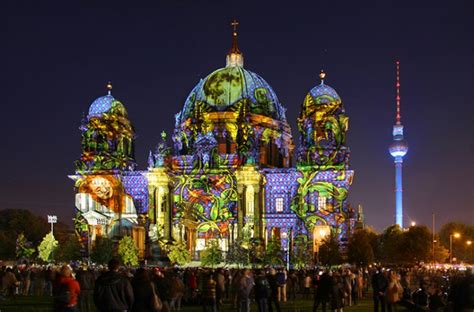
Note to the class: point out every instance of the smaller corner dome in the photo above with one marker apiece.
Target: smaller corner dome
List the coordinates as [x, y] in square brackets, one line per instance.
[106, 104]
[324, 94]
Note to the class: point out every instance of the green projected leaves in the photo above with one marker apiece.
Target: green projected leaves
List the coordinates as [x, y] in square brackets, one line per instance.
[205, 201]
[306, 210]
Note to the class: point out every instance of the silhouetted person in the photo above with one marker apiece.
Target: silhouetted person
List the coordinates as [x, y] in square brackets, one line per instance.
[379, 286]
[112, 291]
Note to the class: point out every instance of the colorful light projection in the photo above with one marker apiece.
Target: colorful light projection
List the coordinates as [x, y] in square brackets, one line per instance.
[230, 170]
[206, 203]
[323, 125]
[238, 108]
[107, 137]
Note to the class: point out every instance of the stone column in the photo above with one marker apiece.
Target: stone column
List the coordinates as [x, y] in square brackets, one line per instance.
[258, 209]
[241, 209]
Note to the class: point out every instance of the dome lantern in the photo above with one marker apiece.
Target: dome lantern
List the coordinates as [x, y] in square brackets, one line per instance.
[234, 57]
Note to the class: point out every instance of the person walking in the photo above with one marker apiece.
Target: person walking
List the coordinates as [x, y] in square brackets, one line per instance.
[323, 287]
[209, 294]
[9, 283]
[243, 293]
[281, 280]
[176, 293]
[262, 291]
[113, 291]
[143, 292]
[394, 291]
[220, 287]
[65, 291]
[307, 285]
[379, 286]
[86, 280]
[273, 300]
[337, 294]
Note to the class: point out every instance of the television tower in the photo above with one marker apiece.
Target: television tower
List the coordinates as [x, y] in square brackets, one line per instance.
[398, 150]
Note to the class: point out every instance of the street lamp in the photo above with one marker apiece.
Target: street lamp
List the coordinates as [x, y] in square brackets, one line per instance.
[413, 223]
[455, 235]
[52, 219]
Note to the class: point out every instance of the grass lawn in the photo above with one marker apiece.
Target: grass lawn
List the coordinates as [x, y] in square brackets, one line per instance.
[43, 304]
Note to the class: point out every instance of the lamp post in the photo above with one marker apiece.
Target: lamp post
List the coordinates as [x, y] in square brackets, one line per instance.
[52, 219]
[455, 235]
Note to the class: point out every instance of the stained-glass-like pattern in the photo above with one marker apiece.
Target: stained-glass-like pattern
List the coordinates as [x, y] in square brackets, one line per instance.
[324, 94]
[230, 172]
[100, 106]
[136, 185]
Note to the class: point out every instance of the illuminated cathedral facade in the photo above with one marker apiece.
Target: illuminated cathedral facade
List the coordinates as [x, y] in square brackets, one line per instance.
[232, 168]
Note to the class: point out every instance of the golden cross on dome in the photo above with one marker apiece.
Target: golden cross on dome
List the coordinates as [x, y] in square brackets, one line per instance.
[109, 87]
[234, 25]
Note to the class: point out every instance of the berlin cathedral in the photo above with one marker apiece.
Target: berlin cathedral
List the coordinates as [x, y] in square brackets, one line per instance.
[232, 168]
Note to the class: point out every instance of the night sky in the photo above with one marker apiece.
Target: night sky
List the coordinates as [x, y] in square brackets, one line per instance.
[59, 57]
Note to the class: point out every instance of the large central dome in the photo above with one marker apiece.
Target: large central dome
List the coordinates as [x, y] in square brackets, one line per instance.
[224, 88]
[239, 111]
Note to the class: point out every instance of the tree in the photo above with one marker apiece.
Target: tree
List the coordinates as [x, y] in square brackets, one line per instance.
[238, 254]
[441, 253]
[70, 250]
[212, 255]
[13, 222]
[374, 240]
[24, 249]
[359, 248]
[178, 253]
[329, 253]
[128, 251]
[103, 250]
[301, 254]
[273, 253]
[415, 245]
[391, 244]
[47, 247]
[461, 250]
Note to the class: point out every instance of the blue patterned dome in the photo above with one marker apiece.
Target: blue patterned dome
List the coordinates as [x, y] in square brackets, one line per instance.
[106, 104]
[225, 87]
[324, 94]
[101, 105]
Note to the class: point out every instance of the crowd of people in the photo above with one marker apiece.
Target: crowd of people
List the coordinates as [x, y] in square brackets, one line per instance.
[118, 288]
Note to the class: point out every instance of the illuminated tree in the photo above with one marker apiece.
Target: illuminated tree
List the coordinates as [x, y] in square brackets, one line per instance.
[24, 249]
[178, 253]
[13, 222]
[212, 255]
[103, 250]
[128, 251]
[273, 253]
[47, 247]
[238, 254]
[302, 254]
